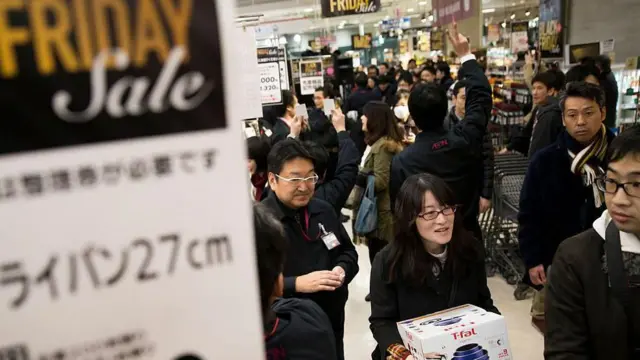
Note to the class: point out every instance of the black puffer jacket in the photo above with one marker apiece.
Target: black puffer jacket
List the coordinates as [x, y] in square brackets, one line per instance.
[487, 155]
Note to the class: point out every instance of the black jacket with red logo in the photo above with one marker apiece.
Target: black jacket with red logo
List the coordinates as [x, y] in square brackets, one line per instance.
[456, 155]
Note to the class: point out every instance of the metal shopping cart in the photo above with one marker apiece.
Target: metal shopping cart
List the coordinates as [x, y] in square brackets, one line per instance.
[500, 225]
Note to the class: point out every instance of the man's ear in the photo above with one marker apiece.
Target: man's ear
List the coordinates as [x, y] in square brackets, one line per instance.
[603, 111]
[272, 180]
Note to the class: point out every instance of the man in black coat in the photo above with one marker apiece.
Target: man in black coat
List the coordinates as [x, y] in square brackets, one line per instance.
[321, 259]
[356, 102]
[559, 198]
[293, 328]
[593, 289]
[287, 123]
[455, 118]
[448, 154]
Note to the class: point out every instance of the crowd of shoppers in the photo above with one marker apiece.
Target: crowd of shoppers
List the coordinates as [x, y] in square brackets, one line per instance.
[430, 159]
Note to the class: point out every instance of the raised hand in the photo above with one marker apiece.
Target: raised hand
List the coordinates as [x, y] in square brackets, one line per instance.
[460, 42]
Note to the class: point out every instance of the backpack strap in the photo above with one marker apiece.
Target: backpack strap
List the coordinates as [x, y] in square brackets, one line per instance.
[617, 275]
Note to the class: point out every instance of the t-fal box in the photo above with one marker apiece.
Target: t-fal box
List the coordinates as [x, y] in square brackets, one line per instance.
[462, 333]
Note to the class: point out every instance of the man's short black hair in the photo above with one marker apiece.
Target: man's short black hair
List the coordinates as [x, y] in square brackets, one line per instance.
[283, 151]
[258, 148]
[546, 78]
[628, 142]
[411, 61]
[583, 90]
[384, 79]
[271, 245]
[581, 72]
[428, 106]
[558, 83]
[385, 65]
[361, 80]
[460, 84]
[407, 77]
[373, 67]
[322, 90]
[320, 156]
[287, 100]
[430, 69]
[444, 68]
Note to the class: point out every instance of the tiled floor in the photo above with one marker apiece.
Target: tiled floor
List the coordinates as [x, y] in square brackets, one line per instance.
[526, 342]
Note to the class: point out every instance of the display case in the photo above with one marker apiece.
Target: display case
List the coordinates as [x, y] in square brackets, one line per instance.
[628, 89]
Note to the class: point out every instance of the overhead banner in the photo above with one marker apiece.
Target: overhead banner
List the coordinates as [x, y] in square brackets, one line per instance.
[551, 28]
[333, 8]
[310, 76]
[120, 150]
[519, 36]
[446, 11]
[361, 42]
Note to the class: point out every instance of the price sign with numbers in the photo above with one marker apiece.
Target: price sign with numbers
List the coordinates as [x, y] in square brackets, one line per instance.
[270, 85]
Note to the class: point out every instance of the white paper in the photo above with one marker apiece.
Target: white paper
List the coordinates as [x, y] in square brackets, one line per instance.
[160, 264]
[329, 105]
[301, 110]
[249, 74]
[607, 46]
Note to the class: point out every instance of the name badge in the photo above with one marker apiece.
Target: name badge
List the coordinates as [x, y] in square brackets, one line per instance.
[330, 240]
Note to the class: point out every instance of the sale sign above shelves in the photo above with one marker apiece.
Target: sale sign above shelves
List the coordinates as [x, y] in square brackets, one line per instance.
[270, 79]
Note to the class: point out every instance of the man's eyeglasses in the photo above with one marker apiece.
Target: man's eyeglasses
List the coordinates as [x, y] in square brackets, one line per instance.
[432, 215]
[313, 179]
[611, 186]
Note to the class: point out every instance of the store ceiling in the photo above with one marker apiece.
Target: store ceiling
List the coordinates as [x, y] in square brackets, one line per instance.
[278, 11]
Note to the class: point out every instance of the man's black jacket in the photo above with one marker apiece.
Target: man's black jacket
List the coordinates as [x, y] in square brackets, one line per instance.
[547, 127]
[488, 155]
[300, 330]
[281, 131]
[452, 154]
[336, 191]
[306, 256]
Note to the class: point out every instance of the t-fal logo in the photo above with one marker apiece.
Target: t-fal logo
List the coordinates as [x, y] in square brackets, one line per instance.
[463, 334]
[440, 144]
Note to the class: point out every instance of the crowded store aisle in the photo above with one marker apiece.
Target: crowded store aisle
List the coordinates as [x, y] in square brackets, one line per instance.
[526, 342]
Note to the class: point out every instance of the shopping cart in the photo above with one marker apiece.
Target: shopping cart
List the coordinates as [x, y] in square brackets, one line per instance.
[500, 225]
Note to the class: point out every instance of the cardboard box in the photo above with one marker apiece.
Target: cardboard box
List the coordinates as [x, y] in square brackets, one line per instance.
[463, 333]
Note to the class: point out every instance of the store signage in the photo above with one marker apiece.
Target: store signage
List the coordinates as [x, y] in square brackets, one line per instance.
[270, 81]
[310, 76]
[437, 40]
[551, 28]
[115, 138]
[493, 33]
[268, 54]
[519, 36]
[446, 11]
[361, 42]
[333, 8]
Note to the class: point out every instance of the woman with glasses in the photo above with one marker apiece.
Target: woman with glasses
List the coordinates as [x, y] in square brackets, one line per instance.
[432, 264]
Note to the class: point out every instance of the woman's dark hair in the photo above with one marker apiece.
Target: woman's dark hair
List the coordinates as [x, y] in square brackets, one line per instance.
[380, 123]
[409, 260]
[407, 77]
[444, 68]
[581, 72]
[258, 148]
[271, 247]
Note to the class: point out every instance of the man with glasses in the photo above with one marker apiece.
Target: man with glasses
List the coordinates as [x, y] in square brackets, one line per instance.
[593, 289]
[559, 197]
[321, 260]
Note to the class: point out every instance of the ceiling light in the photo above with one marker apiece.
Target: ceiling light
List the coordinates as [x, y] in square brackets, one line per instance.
[387, 17]
[424, 20]
[513, 4]
[410, 9]
[527, 13]
[536, 18]
[422, 3]
[504, 24]
[282, 40]
[340, 26]
[297, 38]
[308, 10]
[488, 11]
[430, 17]
[513, 16]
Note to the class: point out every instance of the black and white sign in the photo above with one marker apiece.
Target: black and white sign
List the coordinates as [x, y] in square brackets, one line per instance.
[120, 156]
[270, 89]
[310, 76]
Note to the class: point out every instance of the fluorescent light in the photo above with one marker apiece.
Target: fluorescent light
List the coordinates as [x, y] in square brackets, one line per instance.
[297, 38]
[504, 24]
[527, 13]
[488, 11]
[513, 16]
[308, 10]
[536, 18]
[430, 17]
[422, 3]
[410, 9]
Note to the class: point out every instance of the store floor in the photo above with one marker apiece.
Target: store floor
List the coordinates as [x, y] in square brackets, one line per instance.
[526, 342]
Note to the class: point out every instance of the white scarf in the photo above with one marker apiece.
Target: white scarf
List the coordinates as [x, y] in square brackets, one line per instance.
[589, 174]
